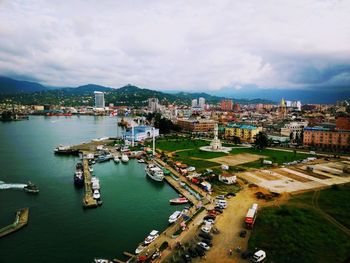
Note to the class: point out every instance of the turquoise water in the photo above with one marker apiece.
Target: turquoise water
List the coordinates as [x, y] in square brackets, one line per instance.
[59, 229]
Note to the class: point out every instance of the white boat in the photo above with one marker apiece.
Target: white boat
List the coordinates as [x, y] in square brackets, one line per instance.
[139, 249]
[116, 159]
[154, 172]
[102, 260]
[141, 161]
[95, 183]
[109, 156]
[175, 216]
[151, 237]
[125, 158]
[91, 169]
[96, 194]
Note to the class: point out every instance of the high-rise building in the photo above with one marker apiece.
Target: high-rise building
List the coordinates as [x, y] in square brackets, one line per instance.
[99, 99]
[153, 104]
[194, 103]
[201, 103]
[226, 105]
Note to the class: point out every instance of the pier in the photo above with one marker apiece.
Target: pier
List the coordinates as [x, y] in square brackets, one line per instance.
[88, 201]
[20, 221]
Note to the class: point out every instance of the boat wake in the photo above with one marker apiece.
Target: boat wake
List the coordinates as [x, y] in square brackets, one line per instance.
[4, 186]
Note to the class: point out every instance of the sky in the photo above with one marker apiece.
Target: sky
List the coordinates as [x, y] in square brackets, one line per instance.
[178, 45]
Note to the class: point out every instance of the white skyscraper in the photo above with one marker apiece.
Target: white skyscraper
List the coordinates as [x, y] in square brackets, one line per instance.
[99, 99]
[194, 103]
[201, 103]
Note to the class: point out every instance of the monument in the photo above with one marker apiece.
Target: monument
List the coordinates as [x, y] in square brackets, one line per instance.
[215, 145]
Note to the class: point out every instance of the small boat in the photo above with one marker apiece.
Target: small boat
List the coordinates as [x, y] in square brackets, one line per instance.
[154, 172]
[141, 161]
[31, 188]
[95, 183]
[174, 217]
[178, 201]
[102, 260]
[125, 158]
[96, 195]
[139, 249]
[91, 169]
[102, 158]
[109, 156]
[79, 175]
[116, 159]
[151, 237]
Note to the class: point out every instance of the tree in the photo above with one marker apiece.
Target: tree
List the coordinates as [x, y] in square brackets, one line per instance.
[261, 141]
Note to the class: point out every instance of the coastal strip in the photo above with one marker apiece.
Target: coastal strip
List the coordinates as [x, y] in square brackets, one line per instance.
[20, 221]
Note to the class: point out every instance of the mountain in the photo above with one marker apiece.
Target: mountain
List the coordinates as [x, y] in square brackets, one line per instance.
[86, 89]
[12, 86]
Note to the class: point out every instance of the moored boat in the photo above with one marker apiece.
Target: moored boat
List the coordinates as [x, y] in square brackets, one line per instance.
[78, 175]
[125, 158]
[139, 249]
[116, 159]
[95, 183]
[154, 172]
[178, 201]
[151, 237]
[175, 216]
[31, 188]
[102, 158]
[141, 161]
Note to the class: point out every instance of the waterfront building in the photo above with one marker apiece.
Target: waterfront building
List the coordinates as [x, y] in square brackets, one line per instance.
[246, 133]
[226, 105]
[141, 133]
[153, 104]
[193, 125]
[99, 100]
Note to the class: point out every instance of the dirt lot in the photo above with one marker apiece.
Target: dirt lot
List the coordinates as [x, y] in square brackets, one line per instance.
[232, 160]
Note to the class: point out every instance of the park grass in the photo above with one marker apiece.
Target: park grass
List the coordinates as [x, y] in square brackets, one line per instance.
[200, 165]
[170, 145]
[197, 153]
[334, 201]
[271, 155]
[290, 234]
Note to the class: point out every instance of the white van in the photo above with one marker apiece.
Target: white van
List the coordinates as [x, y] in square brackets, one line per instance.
[221, 203]
[259, 256]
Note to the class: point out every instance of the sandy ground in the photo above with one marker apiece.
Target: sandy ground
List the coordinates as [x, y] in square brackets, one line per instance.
[232, 160]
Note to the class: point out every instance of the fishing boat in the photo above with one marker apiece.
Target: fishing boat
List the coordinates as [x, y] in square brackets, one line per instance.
[78, 175]
[154, 172]
[31, 188]
[116, 159]
[174, 217]
[109, 156]
[151, 237]
[125, 158]
[178, 201]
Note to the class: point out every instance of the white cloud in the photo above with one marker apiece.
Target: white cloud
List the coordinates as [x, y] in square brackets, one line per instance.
[193, 45]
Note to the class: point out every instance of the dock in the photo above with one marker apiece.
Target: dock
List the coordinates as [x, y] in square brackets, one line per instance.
[20, 221]
[88, 201]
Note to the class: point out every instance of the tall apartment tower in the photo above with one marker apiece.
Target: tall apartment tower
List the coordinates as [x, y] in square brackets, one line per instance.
[153, 104]
[99, 99]
[201, 102]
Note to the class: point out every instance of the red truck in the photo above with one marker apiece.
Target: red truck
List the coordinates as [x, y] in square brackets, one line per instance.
[251, 216]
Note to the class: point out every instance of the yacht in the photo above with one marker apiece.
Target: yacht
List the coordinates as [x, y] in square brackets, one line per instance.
[151, 237]
[174, 217]
[154, 172]
[139, 249]
[95, 183]
[79, 176]
[96, 194]
[116, 159]
[125, 158]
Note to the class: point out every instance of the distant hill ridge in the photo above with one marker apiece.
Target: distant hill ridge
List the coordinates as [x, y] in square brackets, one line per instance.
[32, 93]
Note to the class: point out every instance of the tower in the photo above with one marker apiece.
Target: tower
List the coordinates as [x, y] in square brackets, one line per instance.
[282, 109]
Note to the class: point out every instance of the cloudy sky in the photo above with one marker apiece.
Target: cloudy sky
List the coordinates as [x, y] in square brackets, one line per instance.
[177, 45]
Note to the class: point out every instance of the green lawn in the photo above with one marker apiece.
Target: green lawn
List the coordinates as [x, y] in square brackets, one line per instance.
[179, 144]
[289, 234]
[197, 153]
[272, 155]
[199, 164]
[334, 201]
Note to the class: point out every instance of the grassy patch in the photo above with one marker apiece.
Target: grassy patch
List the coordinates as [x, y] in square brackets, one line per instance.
[179, 144]
[334, 201]
[271, 155]
[289, 234]
[199, 164]
[219, 188]
[197, 153]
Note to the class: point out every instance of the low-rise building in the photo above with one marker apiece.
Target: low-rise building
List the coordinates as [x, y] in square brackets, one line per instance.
[227, 178]
[245, 133]
[293, 127]
[200, 125]
[141, 133]
[326, 138]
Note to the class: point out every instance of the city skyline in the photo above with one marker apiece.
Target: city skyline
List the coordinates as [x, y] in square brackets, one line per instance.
[221, 46]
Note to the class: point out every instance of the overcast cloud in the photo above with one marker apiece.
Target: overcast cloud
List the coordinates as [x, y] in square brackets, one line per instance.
[183, 45]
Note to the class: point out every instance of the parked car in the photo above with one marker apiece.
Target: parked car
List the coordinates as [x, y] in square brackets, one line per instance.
[229, 195]
[207, 241]
[206, 236]
[209, 217]
[259, 256]
[243, 233]
[186, 258]
[206, 228]
[218, 209]
[208, 221]
[200, 251]
[192, 252]
[203, 245]
[220, 197]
